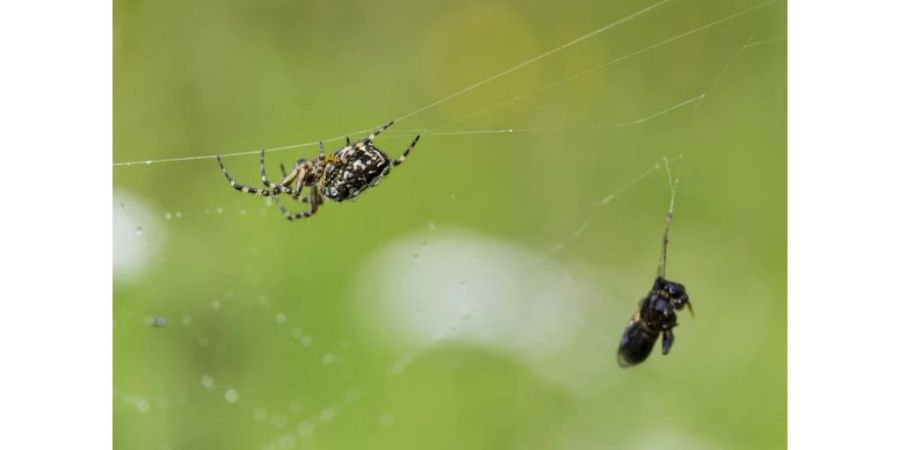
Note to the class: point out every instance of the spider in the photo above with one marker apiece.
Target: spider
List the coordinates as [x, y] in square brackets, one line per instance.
[339, 176]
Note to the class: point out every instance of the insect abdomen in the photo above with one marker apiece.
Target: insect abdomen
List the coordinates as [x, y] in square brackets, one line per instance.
[636, 344]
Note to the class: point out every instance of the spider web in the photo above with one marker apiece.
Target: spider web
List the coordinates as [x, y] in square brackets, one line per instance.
[248, 338]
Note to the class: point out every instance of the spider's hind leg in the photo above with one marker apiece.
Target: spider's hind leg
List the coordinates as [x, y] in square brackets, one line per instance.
[399, 160]
[402, 157]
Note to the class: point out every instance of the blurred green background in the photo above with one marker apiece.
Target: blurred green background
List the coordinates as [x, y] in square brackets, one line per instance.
[234, 328]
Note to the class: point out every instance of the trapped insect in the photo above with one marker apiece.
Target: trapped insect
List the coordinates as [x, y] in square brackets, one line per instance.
[656, 312]
[339, 176]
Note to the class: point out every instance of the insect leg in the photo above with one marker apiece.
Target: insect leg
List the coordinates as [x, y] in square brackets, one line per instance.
[668, 340]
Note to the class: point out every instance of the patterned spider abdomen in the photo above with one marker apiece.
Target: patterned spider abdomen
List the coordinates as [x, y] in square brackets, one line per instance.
[363, 168]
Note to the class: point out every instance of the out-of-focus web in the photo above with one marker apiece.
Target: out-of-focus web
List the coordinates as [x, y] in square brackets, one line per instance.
[499, 75]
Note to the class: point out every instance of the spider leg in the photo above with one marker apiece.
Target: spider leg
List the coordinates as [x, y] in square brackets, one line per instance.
[375, 133]
[348, 140]
[300, 176]
[276, 188]
[240, 187]
[402, 157]
[399, 160]
[304, 199]
[314, 201]
[321, 150]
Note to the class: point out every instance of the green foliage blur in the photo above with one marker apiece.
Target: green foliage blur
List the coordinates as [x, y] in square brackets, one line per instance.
[258, 341]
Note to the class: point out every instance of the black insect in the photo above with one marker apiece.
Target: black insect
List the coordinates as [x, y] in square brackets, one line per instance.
[339, 176]
[656, 312]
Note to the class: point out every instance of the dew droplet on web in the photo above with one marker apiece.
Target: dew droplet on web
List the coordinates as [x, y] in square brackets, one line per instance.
[286, 441]
[220, 210]
[352, 396]
[279, 420]
[280, 318]
[387, 419]
[215, 305]
[243, 212]
[231, 396]
[177, 214]
[168, 216]
[139, 231]
[432, 226]
[208, 382]
[306, 341]
[260, 414]
[142, 405]
[306, 430]
[327, 415]
[327, 359]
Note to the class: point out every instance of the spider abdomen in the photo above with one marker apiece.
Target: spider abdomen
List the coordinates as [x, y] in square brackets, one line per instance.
[356, 169]
[339, 176]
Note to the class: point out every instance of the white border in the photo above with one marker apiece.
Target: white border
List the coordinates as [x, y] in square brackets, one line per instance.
[843, 224]
[55, 87]
[55, 337]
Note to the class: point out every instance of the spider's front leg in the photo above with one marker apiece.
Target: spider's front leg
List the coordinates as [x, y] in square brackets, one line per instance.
[375, 133]
[283, 186]
[240, 187]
